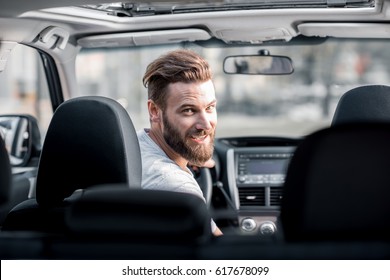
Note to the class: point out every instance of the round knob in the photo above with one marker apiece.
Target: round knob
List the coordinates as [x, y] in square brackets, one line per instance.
[248, 224]
[267, 228]
[241, 179]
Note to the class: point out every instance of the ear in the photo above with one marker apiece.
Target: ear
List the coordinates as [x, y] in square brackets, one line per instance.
[154, 112]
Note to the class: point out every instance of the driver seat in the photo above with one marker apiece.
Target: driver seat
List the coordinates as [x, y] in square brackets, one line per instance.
[90, 141]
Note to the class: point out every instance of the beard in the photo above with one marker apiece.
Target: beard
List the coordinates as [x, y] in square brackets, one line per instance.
[195, 154]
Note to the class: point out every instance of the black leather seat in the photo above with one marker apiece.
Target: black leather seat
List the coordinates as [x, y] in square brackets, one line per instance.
[369, 103]
[90, 141]
[337, 186]
[115, 222]
[140, 214]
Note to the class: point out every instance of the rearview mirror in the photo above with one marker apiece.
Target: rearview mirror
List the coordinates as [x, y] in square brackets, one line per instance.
[258, 65]
[22, 138]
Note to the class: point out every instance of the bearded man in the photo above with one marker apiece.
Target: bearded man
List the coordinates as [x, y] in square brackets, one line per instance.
[183, 117]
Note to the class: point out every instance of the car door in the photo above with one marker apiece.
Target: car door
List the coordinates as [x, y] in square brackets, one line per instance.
[25, 112]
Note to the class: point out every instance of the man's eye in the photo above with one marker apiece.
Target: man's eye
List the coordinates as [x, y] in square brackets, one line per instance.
[188, 110]
[210, 108]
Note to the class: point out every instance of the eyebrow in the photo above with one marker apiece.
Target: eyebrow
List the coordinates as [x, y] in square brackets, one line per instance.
[195, 105]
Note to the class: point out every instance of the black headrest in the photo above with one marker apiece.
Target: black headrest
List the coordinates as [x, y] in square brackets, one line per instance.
[5, 174]
[90, 141]
[119, 211]
[338, 185]
[364, 104]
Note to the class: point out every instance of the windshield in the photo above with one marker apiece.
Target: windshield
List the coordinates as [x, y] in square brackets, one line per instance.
[252, 105]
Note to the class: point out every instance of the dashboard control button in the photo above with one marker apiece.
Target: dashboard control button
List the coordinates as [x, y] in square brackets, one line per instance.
[241, 178]
[267, 228]
[248, 224]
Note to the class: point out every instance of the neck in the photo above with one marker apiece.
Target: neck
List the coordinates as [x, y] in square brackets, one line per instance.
[158, 138]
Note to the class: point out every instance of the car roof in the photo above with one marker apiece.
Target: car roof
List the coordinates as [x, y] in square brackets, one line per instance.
[22, 21]
[61, 28]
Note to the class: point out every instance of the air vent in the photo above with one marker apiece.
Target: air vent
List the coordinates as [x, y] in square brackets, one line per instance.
[276, 195]
[252, 196]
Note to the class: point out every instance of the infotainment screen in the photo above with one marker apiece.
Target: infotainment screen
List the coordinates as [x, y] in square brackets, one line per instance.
[267, 166]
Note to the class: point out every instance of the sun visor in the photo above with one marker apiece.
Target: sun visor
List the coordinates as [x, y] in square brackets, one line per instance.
[345, 30]
[254, 35]
[144, 38]
[5, 51]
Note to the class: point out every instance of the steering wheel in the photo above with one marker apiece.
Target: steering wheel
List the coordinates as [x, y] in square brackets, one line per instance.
[205, 181]
[206, 177]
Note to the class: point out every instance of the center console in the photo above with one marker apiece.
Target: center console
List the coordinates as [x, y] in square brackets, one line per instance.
[256, 176]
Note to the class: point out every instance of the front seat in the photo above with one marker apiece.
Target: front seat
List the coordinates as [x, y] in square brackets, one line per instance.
[370, 103]
[337, 186]
[90, 141]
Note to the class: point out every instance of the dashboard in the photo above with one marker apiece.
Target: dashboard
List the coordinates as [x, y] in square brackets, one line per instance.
[253, 172]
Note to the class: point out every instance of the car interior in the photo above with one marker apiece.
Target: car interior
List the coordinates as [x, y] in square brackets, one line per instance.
[301, 150]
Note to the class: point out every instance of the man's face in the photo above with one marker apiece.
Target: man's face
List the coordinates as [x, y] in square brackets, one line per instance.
[189, 120]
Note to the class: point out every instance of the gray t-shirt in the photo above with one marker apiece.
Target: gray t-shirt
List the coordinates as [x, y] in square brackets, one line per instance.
[159, 172]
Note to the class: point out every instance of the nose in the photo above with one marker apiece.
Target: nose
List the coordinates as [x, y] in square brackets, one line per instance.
[204, 121]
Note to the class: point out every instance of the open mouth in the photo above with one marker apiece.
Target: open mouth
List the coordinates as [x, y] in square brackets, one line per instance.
[199, 138]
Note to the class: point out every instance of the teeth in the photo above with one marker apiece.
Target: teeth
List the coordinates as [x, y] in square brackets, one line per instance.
[199, 137]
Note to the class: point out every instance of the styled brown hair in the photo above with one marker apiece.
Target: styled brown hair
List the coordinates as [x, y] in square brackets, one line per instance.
[176, 66]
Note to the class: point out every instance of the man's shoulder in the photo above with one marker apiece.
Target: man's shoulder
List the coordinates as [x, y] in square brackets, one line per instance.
[156, 163]
[142, 135]
[162, 173]
[148, 147]
[165, 169]
[170, 178]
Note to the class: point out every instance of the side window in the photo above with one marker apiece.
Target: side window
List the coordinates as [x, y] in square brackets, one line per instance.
[24, 87]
